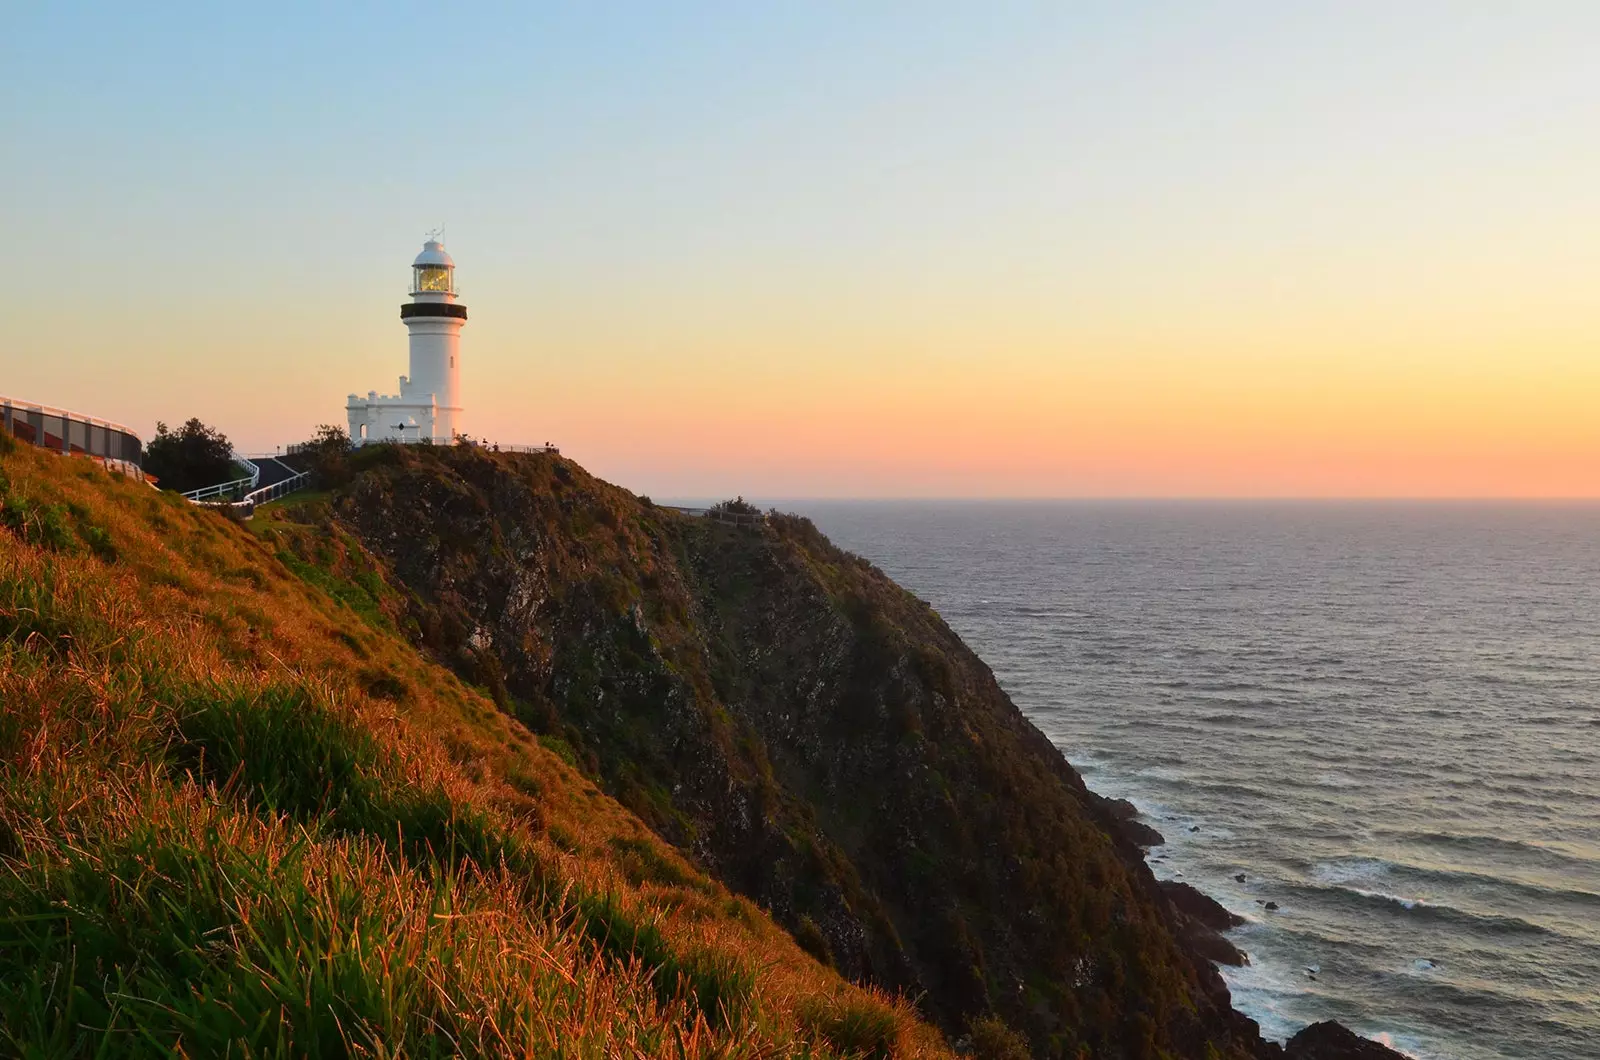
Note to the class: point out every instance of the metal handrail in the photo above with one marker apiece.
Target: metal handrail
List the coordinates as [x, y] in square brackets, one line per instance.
[276, 490]
[524, 448]
[720, 515]
[205, 493]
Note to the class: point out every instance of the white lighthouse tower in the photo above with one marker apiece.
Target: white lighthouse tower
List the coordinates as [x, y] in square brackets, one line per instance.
[428, 407]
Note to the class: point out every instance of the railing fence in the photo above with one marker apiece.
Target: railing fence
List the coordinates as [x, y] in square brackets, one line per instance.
[222, 489]
[720, 515]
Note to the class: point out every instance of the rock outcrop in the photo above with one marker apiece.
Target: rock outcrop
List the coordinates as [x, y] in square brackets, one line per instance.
[1201, 920]
[1127, 825]
[1333, 1041]
[1200, 906]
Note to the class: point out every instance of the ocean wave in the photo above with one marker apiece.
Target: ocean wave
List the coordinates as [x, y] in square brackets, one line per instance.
[1424, 909]
[1374, 870]
[1496, 846]
[1225, 718]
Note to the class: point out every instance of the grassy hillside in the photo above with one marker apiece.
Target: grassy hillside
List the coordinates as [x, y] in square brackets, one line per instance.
[240, 814]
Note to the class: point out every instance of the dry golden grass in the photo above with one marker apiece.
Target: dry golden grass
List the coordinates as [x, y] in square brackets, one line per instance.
[239, 814]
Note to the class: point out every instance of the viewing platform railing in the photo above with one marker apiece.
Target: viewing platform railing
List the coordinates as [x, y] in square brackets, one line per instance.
[68, 432]
[720, 515]
[547, 448]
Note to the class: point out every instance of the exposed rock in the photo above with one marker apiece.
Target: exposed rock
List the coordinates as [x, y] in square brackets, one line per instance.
[1124, 820]
[1121, 809]
[1201, 918]
[1334, 1041]
[1142, 835]
[1271, 906]
[1211, 945]
[1200, 906]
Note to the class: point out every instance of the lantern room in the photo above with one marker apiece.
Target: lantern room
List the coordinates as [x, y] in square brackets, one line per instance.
[433, 272]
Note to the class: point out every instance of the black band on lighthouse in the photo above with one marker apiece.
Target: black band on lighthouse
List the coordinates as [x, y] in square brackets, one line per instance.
[432, 309]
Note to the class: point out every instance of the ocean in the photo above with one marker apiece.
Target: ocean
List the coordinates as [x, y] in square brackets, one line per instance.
[1382, 717]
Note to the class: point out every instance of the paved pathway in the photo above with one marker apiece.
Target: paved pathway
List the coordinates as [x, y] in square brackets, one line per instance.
[273, 471]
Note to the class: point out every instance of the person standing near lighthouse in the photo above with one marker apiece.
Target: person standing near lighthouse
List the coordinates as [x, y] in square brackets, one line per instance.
[428, 407]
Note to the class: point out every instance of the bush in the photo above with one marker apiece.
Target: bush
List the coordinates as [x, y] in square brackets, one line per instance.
[854, 1025]
[813, 941]
[192, 457]
[737, 506]
[43, 525]
[993, 1040]
[328, 456]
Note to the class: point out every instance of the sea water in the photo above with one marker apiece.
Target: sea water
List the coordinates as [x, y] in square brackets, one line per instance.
[1382, 717]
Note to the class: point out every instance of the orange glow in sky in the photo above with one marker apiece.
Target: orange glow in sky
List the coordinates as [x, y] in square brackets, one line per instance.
[1338, 250]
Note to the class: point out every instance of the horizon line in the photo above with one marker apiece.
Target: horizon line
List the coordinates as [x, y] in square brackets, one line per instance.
[1190, 498]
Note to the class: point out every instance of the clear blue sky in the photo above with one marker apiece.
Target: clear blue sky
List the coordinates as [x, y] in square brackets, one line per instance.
[837, 248]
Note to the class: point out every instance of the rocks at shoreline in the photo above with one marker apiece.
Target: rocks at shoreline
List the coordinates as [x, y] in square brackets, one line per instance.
[1334, 1041]
[1201, 920]
[1200, 906]
[1125, 818]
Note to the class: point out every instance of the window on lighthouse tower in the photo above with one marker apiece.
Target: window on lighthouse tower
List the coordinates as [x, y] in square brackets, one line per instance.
[433, 278]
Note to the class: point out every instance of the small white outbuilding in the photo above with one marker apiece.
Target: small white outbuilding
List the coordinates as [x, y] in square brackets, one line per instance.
[428, 406]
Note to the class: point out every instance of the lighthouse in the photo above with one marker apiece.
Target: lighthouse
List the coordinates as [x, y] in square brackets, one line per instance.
[428, 406]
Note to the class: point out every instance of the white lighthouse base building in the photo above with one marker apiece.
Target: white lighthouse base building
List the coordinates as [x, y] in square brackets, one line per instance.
[398, 417]
[428, 407]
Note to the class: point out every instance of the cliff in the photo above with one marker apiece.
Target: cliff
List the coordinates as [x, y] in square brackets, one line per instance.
[479, 755]
[812, 734]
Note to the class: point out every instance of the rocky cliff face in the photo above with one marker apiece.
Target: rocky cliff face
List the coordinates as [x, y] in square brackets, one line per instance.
[810, 732]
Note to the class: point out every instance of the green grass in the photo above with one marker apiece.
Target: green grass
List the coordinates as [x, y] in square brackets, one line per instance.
[854, 1026]
[226, 832]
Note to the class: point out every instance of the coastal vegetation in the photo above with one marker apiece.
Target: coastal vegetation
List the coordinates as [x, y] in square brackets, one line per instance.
[240, 814]
[193, 456]
[470, 753]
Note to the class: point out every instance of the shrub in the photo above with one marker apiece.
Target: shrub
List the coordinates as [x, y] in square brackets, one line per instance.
[41, 525]
[328, 455]
[856, 1025]
[381, 684]
[642, 862]
[194, 456]
[993, 1040]
[813, 941]
[99, 541]
[737, 506]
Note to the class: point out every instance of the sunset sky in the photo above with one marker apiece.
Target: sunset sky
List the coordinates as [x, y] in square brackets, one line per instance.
[837, 249]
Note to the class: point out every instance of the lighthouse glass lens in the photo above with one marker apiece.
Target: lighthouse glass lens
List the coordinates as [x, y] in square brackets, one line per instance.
[433, 278]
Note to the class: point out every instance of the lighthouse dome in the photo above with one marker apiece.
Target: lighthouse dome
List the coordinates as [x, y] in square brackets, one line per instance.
[433, 254]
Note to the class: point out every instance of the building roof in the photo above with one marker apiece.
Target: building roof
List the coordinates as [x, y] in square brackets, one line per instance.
[433, 254]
